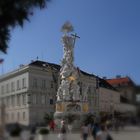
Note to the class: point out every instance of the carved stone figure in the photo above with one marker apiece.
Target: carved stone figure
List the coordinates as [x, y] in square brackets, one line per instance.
[85, 93]
[68, 89]
[71, 99]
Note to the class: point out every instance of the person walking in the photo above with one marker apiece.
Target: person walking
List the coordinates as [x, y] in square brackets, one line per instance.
[103, 134]
[63, 131]
[85, 131]
[95, 128]
[52, 125]
[70, 128]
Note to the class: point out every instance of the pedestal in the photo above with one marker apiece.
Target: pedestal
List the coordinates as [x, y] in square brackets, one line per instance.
[75, 111]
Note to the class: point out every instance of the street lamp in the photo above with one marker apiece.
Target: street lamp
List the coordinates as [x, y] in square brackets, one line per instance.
[2, 127]
[98, 97]
[112, 109]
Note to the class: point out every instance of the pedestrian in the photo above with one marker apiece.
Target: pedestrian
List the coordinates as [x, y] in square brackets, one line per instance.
[116, 125]
[95, 128]
[70, 127]
[103, 134]
[32, 132]
[52, 125]
[85, 131]
[63, 131]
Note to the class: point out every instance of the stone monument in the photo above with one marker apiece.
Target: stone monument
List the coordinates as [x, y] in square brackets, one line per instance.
[70, 102]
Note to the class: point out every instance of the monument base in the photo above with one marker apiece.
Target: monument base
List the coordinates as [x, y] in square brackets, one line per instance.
[73, 112]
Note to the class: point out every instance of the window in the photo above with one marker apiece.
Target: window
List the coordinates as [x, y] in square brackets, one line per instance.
[24, 116]
[18, 85]
[43, 83]
[46, 101]
[51, 101]
[12, 116]
[7, 88]
[138, 98]
[96, 101]
[2, 89]
[125, 94]
[89, 89]
[5, 101]
[2, 100]
[51, 84]
[18, 116]
[24, 99]
[24, 83]
[13, 100]
[7, 116]
[34, 99]
[8, 101]
[42, 99]
[12, 86]
[18, 100]
[35, 82]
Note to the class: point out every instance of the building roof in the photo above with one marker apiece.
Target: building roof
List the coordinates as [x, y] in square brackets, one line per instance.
[105, 84]
[102, 82]
[88, 74]
[121, 81]
[45, 64]
[54, 66]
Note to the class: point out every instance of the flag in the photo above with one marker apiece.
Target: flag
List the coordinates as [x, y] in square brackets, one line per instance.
[1, 60]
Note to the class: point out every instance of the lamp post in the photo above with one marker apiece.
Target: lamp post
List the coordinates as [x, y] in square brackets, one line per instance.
[2, 127]
[112, 110]
[98, 97]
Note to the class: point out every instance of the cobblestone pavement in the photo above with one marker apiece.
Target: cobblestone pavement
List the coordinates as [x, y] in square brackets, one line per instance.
[129, 133]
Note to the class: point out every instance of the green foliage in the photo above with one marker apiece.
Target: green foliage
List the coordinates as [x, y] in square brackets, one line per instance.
[89, 118]
[48, 118]
[43, 131]
[13, 13]
[70, 118]
[15, 132]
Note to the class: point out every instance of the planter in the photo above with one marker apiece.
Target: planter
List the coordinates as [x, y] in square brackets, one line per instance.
[15, 138]
[15, 133]
[43, 137]
[70, 127]
[43, 134]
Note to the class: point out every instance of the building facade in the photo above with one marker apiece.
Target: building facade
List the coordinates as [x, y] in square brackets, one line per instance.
[126, 87]
[87, 83]
[29, 92]
[109, 99]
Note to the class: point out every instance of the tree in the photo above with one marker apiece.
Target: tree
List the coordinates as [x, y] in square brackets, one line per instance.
[48, 118]
[89, 118]
[13, 13]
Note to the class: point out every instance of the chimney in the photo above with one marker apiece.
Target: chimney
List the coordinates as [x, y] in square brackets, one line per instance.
[21, 65]
[118, 76]
[104, 77]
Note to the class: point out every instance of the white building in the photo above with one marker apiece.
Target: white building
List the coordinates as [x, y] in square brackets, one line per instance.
[29, 92]
[110, 101]
[88, 84]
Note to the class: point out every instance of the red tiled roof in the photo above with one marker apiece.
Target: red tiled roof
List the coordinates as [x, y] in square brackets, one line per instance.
[119, 80]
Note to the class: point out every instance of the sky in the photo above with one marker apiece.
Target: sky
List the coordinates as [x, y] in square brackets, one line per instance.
[109, 31]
